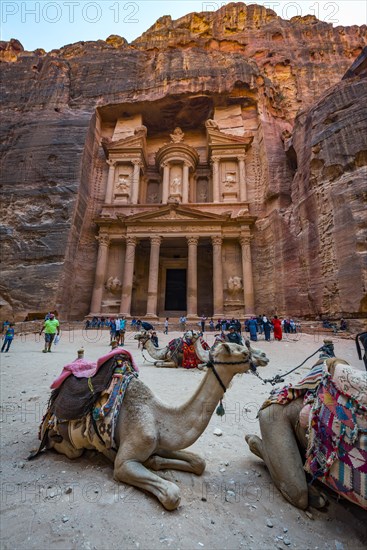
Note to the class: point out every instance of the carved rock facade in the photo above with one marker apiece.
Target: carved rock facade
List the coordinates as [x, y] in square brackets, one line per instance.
[181, 152]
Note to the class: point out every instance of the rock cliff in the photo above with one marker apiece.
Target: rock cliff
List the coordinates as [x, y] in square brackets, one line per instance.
[310, 166]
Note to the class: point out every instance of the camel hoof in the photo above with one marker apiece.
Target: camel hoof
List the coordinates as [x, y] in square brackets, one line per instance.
[255, 444]
[198, 465]
[316, 499]
[171, 500]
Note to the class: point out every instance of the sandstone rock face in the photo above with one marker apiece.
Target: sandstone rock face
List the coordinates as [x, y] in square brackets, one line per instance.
[308, 160]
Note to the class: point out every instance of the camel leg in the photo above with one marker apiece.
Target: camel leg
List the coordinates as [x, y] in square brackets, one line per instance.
[65, 448]
[280, 451]
[165, 364]
[135, 473]
[176, 460]
[255, 444]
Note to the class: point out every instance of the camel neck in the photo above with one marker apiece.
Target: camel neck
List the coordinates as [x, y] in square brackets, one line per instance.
[184, 424]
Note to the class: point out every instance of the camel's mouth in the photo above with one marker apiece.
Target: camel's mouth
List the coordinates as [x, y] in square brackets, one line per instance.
[259, 358]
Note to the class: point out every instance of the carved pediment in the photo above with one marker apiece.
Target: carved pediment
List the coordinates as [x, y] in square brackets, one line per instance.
[222, 143]
[130, 144]
[173, 213]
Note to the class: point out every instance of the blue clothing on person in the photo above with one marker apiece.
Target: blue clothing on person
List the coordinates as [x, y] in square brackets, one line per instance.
[252, 325]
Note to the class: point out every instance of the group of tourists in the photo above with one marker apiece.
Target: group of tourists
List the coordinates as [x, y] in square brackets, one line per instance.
[261, 324]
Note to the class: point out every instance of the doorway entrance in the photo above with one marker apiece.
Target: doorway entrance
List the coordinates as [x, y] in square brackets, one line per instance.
[175, 297]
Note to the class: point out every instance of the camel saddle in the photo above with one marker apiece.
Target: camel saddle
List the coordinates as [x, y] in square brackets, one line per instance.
[76, 396]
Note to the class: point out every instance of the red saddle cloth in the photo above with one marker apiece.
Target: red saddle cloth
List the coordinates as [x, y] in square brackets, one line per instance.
[190, 359]
[81, 368]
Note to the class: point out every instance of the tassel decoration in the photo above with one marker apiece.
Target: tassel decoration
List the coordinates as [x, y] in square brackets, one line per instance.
[220, 409]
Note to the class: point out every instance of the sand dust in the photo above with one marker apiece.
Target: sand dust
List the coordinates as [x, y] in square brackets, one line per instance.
[53, 502]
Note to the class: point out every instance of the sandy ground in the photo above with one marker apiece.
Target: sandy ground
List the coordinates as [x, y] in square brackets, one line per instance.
[53, 502]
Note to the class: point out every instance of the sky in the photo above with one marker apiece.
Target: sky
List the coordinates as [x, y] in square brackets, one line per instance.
[51, 24]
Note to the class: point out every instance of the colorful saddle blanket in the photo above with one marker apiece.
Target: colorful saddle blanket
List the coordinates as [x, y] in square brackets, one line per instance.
[95, 428]
[337, 442]
[186, 347]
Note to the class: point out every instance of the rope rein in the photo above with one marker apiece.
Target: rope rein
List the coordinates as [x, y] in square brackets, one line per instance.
[278, 378]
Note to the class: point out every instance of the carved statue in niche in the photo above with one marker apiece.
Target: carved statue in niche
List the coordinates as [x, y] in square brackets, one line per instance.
[152, 197]
[123, 184]
[234, 284]
[175, 185]
[113, 285]
[203, 195]
[230, 179]
[177, 135]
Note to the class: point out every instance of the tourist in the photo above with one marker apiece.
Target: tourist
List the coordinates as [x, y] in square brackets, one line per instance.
[183, 323]
[343, 324]
[252, 325]
[122, 330]
[133, 323]
[211, 324]
[293, 327]
[260, 325]
[233, 337]
[117, 329]
[51, 328]
[277, 328]
[154, 339]
[8, 337]
[165, 326]
[112, 330]
[202, 322]
[267, 328]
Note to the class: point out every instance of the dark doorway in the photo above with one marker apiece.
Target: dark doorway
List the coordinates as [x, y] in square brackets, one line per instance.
[175, 290]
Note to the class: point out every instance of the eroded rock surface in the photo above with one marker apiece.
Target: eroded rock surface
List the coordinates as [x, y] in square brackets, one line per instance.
[308, 163]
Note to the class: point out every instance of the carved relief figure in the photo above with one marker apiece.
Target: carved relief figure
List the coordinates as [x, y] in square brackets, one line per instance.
[234, 284]
[123, 184]
[230, 179]
[175, 185]
[113, 285]
[177, 135]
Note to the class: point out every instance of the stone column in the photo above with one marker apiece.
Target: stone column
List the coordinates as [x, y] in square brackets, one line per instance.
[217, 277]
[192, 278]
[248, 284]
[242, 175]
[185, 183]
[165, 191]
[155, 243]
[127, 285]
[110, 181]
[104, 241]
[216, 191]
[136, 182]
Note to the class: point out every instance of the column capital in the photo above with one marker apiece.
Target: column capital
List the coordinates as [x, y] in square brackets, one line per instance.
[192, 240]
[165, 164]
[245, 240]
[214, 160]
[137, 162]
[131, 240]
[103, 238]
[241, 157]
[186, 163]
[217, 239]
[111, 162]
[156, 239]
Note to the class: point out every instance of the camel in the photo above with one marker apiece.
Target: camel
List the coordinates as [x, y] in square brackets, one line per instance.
[150, 435]
[285, 438]
[170, 356]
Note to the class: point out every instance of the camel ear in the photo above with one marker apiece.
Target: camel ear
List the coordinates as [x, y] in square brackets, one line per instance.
[248, 344]
[226, 347]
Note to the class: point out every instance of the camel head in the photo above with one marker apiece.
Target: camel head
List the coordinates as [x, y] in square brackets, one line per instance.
[192, 334]
[236, 359]
[258, 357]
[143, 336]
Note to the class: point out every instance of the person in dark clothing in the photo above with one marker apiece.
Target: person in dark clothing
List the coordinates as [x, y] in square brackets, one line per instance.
[233, 337]
[362, 338]
[154, 339]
